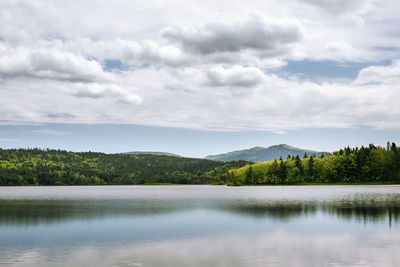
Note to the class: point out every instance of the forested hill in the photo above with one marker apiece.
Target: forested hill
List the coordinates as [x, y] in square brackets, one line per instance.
[58, 167]
[349, 165]
[259, 154]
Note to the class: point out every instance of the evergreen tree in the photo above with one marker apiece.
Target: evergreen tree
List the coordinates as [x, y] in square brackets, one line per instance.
[249, 175]
[281, 172]
[311, 168]
[299, 165]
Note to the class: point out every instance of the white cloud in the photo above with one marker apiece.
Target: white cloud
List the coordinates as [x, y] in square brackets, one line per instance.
[267, 35]
[128, 51]
[49, 64]
[236, 76]
[203, 65]
[95, 90]
[206, 98]
[381, 74]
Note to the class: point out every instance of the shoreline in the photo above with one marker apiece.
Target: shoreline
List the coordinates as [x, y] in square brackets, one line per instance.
[228, 185]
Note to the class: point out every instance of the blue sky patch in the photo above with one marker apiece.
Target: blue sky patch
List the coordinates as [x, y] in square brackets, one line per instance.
[308, 69]
[117, 138]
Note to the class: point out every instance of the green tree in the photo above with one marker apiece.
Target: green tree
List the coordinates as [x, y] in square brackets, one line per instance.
[249, 175]
[299, 165]
[281, 172]
[311, 169]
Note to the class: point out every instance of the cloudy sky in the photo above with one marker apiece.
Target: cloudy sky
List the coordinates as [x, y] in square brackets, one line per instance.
[178, 75]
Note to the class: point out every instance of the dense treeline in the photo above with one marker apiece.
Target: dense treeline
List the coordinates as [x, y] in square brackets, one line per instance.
[58, 167]
[357, 165]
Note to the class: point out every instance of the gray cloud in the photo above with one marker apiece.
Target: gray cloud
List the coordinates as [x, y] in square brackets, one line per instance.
[256, 33]
[273, 103]
[60, 115]
[339, 6]
[196, 77]
[237, 76]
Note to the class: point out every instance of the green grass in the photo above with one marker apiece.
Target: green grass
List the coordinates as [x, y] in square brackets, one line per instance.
[309, 184]
[218, 183]
[353, 183]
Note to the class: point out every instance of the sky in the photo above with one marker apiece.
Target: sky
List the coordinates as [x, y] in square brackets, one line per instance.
[198, 77]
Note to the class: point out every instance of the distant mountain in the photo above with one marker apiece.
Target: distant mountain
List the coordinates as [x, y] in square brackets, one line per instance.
[258, 154]
[152, 153]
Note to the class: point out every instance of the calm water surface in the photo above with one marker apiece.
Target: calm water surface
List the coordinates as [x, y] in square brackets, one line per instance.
[200, 226]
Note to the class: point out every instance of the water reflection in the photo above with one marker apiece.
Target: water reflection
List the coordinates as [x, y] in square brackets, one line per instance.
[31, 212]
[277, 249]
[370, 209]
[278, 210]
[200, 226]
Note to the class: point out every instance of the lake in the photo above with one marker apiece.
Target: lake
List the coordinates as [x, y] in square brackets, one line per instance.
[200, 225]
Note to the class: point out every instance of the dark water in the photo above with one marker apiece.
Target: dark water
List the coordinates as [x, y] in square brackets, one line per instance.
[200, 226]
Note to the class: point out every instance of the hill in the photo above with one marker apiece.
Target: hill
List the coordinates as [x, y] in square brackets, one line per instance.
[365, 165]
[152, 153]
[58, 167]
[259, 154]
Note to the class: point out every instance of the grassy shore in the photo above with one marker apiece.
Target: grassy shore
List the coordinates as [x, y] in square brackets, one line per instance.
[299, 184]
[308, 184]
[355, 183]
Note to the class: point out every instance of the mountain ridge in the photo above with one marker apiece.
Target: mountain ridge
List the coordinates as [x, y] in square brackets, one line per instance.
[259, 154]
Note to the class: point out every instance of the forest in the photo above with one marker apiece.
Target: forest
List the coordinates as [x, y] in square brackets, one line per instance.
[59, 167]
[371, 164]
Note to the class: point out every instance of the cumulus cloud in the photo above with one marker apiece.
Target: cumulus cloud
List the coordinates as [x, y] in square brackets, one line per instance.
[95, 90]
[381, 74]
[257, 40]
[256, 33]
[196, 76]
[236, 76]
[127, 51]
[49, 64]
[338, 47]
[207, 99]
[342, 51]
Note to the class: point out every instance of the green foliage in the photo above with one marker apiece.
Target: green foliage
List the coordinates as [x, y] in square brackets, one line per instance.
[365, 165]
[58, 167]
